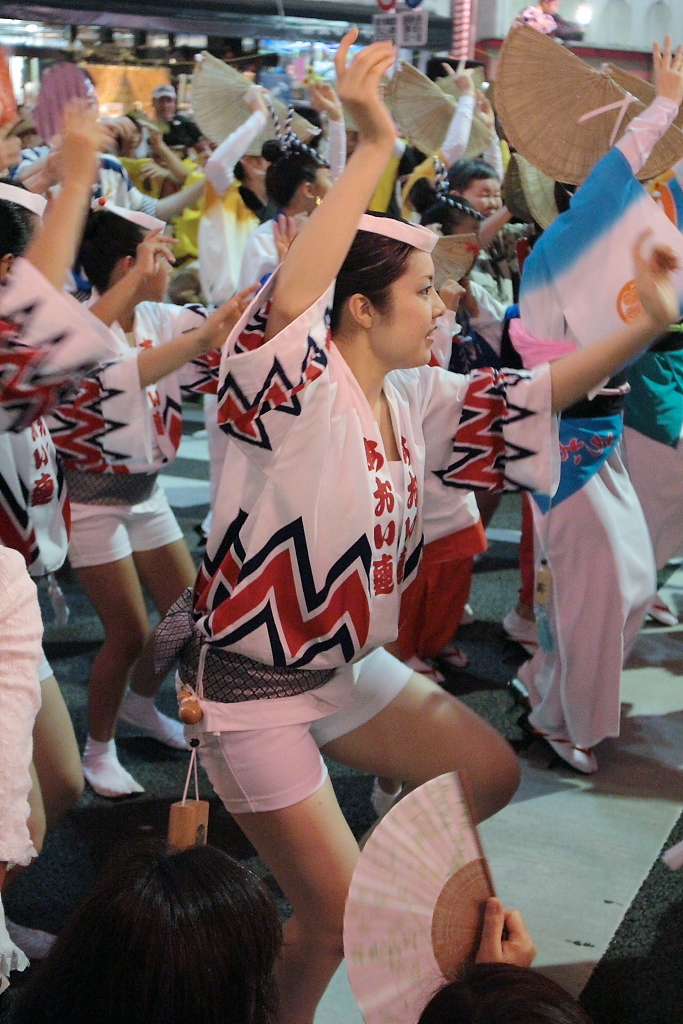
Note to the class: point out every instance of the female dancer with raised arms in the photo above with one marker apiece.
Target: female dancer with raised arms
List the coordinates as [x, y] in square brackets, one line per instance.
[334, 417]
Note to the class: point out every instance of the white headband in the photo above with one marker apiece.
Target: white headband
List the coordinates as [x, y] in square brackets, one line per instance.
[413, 234]
[22, 197]
[143, 220]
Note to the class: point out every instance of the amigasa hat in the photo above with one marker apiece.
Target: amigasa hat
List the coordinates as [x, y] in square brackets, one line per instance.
[564, 116]
[424, 111]
[219, 109]
[529, 194]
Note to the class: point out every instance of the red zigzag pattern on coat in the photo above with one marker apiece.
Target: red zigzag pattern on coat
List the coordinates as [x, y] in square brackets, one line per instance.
[479, 447]
[280, 592]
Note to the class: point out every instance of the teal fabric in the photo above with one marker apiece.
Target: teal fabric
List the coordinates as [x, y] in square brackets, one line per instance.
[655, 405]
[585, 447]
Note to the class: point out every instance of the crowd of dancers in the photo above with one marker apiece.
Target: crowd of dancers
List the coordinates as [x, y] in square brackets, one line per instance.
[383, 347]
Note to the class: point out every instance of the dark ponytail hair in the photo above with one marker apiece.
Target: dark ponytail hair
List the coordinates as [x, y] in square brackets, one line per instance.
[502, 994]
[449, 215]
[287, 171]
[371, 266]
[107, 239]
[16, 225]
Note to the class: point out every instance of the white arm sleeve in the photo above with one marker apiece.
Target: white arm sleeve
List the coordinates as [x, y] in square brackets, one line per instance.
[337, 151]
[221, 164]
[491, 317]
[494, 157]
[645, 131]
[458, 134]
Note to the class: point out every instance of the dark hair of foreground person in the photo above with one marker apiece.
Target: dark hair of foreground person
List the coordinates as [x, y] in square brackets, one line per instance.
[165, 938]
[501, 993]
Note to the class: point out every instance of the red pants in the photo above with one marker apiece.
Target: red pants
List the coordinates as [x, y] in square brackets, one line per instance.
[432, 606]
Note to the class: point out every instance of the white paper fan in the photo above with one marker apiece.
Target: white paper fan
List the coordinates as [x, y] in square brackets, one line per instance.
[219, 109]
[415, 904]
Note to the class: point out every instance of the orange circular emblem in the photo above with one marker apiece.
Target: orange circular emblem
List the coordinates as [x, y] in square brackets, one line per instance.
[629, 306]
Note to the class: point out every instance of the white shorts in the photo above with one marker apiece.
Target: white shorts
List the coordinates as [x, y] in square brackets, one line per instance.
[44, 670]
[267, 769]
[106, 533]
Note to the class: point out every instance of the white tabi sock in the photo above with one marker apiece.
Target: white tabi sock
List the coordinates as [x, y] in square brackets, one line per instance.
[104, 772]
[143, 713]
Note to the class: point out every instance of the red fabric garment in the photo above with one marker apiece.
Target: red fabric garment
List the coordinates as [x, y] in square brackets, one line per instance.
[432, 606]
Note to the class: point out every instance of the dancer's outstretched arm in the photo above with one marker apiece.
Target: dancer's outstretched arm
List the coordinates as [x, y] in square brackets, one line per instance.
[320, 248]
[574, 375]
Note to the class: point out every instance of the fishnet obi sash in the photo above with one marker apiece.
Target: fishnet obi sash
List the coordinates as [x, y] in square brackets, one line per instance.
[109, 488]
[226, 677]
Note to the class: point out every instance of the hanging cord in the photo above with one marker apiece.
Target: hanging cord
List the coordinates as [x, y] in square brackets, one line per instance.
[192, 768]
[194, 742]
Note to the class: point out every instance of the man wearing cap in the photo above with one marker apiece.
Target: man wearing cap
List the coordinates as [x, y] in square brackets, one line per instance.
[177, 130]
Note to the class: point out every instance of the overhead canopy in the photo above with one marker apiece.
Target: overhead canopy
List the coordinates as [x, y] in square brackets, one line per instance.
[320, 20]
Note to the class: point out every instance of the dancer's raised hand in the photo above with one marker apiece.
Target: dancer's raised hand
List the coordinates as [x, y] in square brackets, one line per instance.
[668, 68]
[358, 87]
[324, 99]
[655, 284]
[462, 78]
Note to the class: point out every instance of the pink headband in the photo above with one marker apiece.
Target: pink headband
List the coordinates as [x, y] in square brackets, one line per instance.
[143, 220]
[413, 234]
[29, 200]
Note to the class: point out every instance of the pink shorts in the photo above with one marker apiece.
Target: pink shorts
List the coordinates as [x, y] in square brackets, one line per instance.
[267, 769]
[101, 534]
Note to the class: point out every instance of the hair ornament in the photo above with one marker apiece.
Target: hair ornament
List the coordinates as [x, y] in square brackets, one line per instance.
[288, 141]
[443, 194]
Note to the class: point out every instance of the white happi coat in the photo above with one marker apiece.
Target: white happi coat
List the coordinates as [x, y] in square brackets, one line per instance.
[311, 543]
[112, 424]
[47, 341]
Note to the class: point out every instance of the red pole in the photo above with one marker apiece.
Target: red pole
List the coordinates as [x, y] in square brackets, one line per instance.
[463, 13]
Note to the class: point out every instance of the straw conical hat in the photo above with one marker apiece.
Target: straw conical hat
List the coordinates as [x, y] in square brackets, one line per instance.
[543, 89]
[424, 112]
[513, 193]
[537, 191]
[219, 109]
[454, 256]
[638, 87]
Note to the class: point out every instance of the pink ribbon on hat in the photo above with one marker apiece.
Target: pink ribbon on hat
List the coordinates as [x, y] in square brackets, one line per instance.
[620, 105]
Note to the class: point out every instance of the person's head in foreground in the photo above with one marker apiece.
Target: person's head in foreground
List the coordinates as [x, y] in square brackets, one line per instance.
[164, 938]
[501, 988]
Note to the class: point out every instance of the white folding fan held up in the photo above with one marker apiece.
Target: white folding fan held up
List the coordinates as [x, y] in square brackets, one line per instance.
[415, 906]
